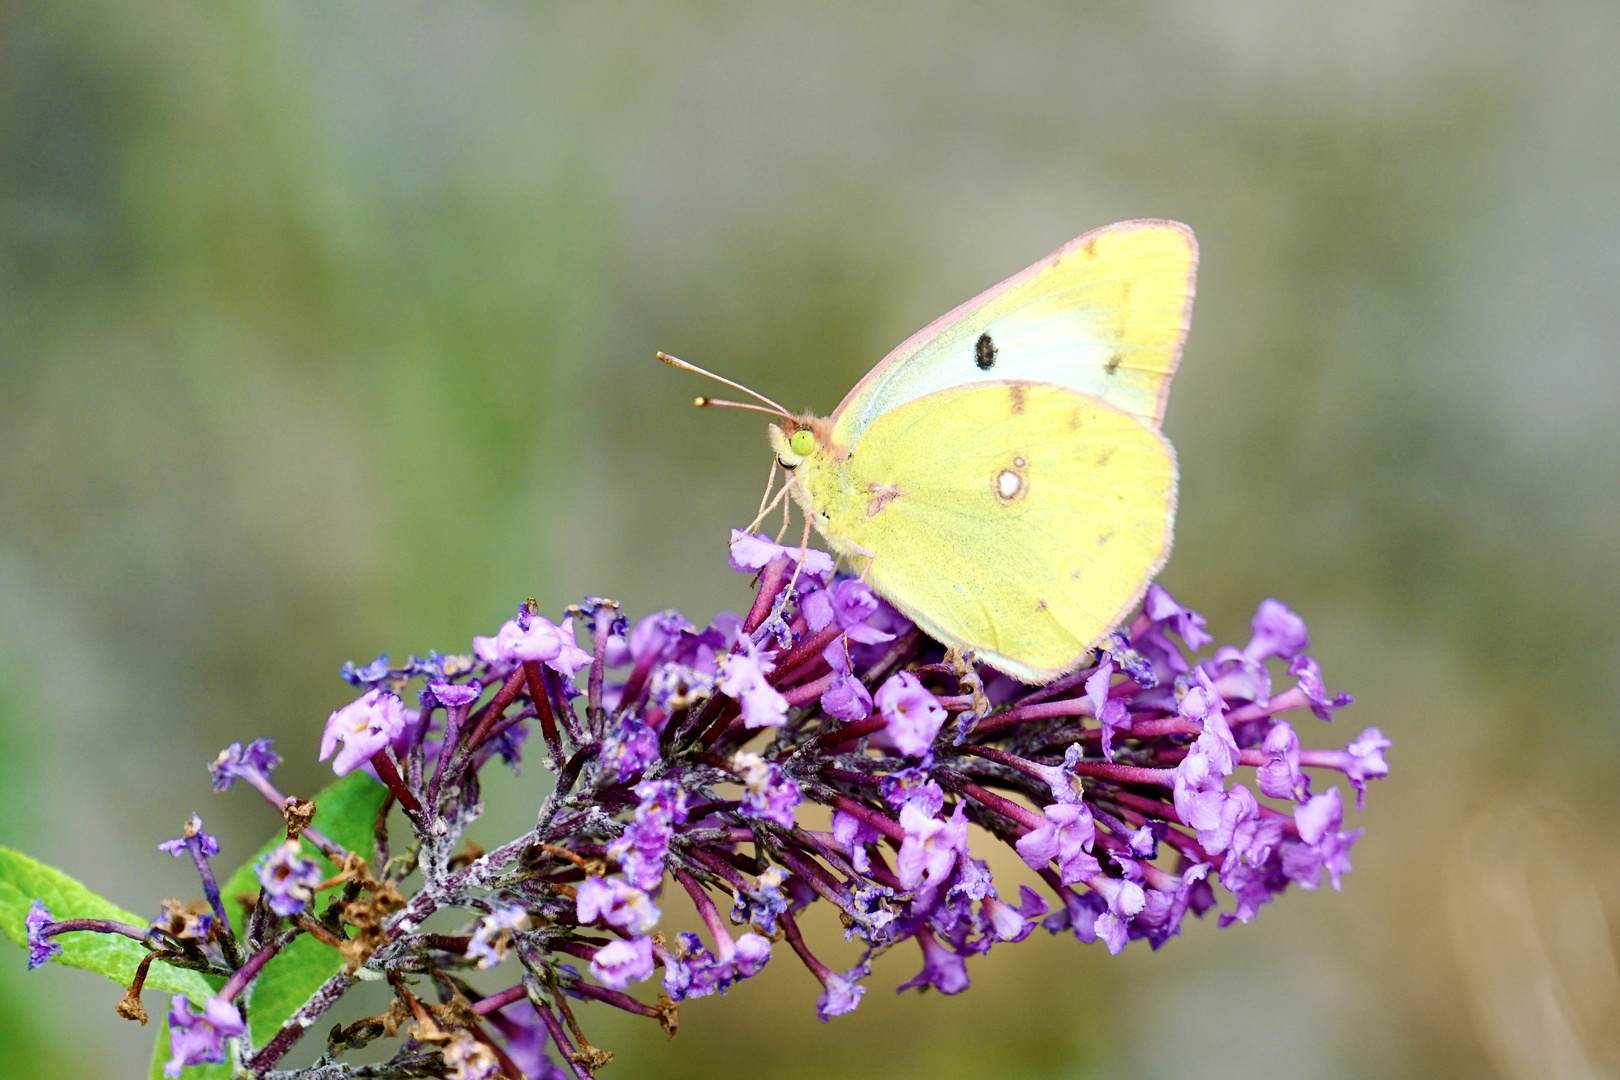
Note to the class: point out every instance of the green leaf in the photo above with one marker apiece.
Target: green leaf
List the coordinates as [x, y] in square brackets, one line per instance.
[346, 812]
[22, 879]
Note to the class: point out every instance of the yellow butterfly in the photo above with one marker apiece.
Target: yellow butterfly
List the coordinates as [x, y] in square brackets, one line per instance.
[1001, 476]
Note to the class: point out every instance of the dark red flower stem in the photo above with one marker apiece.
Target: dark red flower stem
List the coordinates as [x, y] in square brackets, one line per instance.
[883, 824]
[540, 694]
[486, 718]
[1024, 713]
[95, 926]
[851, 732]
[1021, 815]
[485, 1006]
[772, 580]
[617, 998]
[389, 775]
[602, 630]
[790, 930]
[806, 650]
[245, 974]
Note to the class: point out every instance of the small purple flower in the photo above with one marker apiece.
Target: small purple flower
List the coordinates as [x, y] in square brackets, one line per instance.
[616, 903]
[534, 638]
[1125, 899]
[40, 947]
[1161, 608]
[619, 963]
[1322, 846]
[1111, 713]
[1309, 676]
[847, 698]
[631, 750]
[184, 920]
[1363, 760]
[1277, 632]
[943, 969]
[914, 715]
[364, 726]
[1007, 923]
[841, 994]
[744, 678]
[493, 935]
[662, 800]
[751, 553]
[196, 1040]
[369, 676]
[236, 762]
[1280, 776]
[470, 1059]
[657, 637]
[912, 785]
[767, 794]
[1163, 909]
[288, 878]
[181, 845]
[751, 954]
[928, 852]
[526, 1042]
[852, 835]
[850, 603]
[450, 695]
[765, 904]
[640, 849]
[1067, 836]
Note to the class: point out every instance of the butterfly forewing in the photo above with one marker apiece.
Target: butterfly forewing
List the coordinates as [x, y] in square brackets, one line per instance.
[1106, 315]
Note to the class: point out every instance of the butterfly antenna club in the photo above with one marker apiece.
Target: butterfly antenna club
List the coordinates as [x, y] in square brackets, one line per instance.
[675, 361]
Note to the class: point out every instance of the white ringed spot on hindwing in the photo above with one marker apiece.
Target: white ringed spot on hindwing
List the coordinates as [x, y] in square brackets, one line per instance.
[1010, 482]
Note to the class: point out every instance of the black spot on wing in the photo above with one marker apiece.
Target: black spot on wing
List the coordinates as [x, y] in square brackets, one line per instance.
[984, 353]
[1113, 364]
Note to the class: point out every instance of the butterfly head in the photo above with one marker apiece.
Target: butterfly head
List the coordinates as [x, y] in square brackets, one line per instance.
[799, 438]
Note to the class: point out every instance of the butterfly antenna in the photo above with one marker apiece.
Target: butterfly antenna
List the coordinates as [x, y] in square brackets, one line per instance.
[675, 361]
[703, 402]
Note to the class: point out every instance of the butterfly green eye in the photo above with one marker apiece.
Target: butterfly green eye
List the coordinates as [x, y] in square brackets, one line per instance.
[802, 443]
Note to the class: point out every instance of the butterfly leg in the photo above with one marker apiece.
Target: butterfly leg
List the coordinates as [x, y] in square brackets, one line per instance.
[804, 549]
[855, 550]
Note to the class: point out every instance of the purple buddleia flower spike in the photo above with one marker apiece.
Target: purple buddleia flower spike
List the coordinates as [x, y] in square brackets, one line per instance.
[1157, 779]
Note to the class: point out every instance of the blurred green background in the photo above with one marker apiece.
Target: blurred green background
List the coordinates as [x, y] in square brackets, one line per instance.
[327, 330]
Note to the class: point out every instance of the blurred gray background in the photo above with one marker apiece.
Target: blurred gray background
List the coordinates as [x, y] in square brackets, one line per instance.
[327, 329]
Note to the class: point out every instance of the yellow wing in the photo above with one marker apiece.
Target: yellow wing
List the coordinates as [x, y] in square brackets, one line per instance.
[1106, 314]
[1021, 520]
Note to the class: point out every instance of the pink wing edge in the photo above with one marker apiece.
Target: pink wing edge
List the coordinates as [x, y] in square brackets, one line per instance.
[961, 310]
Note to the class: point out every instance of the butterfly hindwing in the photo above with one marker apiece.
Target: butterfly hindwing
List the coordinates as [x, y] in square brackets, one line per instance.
[1106, 315]
[1021, 520]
